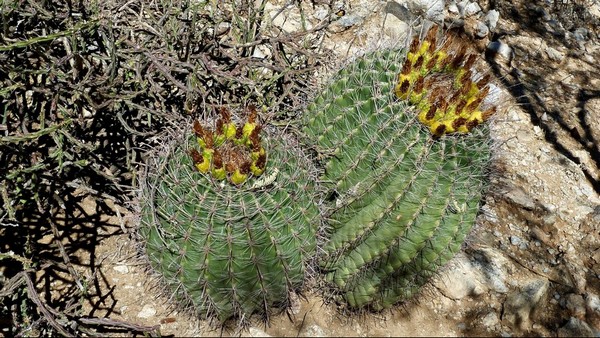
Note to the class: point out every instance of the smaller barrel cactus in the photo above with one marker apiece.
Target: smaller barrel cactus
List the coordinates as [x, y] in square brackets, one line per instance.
[228, 216]
[404, 167]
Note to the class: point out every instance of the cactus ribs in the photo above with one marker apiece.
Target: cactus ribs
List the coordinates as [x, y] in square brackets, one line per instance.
[230, 151]
[438, 80]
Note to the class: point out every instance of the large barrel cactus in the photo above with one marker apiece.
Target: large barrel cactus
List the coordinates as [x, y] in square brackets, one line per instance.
[228, 216]
[404, 167]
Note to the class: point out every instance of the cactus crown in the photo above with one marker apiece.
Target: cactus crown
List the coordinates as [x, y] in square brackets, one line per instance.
[230, 151]
[438, 80]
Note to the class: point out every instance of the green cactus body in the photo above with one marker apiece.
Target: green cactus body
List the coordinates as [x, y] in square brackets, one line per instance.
[231, 250]
[402, 200]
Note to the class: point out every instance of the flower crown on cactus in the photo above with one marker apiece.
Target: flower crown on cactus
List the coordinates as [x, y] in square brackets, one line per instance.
[230, 151]
[438, 80]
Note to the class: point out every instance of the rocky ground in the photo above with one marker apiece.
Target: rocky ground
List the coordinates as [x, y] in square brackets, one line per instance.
[531, 266]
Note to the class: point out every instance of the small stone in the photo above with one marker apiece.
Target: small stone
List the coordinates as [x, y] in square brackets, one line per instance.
[555, 55]
[461, 6]
[452, 8]
[350, 20]
[121, 269]
[593, 302]
[492, 266]
[499, 48]
[581, 34]
[321, 13]
[295, 304]
[472, 8]
[222, 28]
[394, 27]
[490, 320]
[481, 30]
[593, 309]
[575, 328]
[520, 198]
[432, 9]
[491, 19]
[86, 113]
[400, 12]
[515, 240]
[146, 312]
[576, 305]
[490, 214]
[313, 331]
[520, 304]
[461, 280]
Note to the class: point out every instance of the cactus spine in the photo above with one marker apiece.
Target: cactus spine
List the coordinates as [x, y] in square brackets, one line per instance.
[403, 194]
[225, 240]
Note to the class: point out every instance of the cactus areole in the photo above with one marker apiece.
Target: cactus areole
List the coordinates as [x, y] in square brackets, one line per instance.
[404, 167]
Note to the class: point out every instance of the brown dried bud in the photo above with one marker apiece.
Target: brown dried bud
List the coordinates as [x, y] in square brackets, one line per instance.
[217, 159]
[458, 122]
[255, 138]
[404, 86]
[261, 161]
[436, 93]
[196, 156]
[225, 114]
[458, 57]
[431, 63]
[419, 84]
[465, 79]
[239, 132]
[414, 45]
[245, 167]
[460, 106]
[432, 37]
[454, 98]
[442, 104]
[220, 124]
[471, 124]
[208, 139]
[230, 167]
[480, 97]
[484, 81]
[431, 113]
[470, 61]
[465, 87]
[488, 113]
[448, 41]
[440, 130]
[252, 113]
[198, 130]
[406, 67]
[419, 62]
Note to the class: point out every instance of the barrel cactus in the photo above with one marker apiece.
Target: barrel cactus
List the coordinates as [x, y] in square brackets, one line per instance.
[404, 167]
[228, 218]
